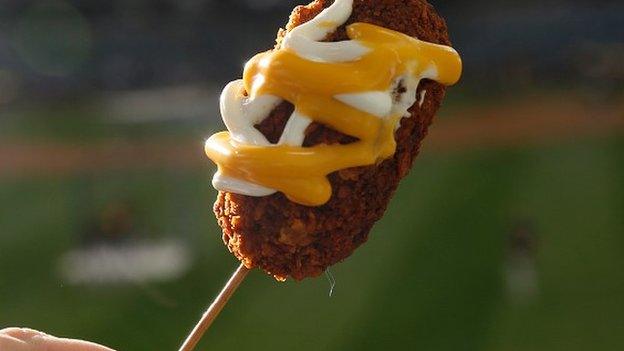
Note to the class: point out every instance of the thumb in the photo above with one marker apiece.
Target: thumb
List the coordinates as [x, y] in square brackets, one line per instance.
[23, 339]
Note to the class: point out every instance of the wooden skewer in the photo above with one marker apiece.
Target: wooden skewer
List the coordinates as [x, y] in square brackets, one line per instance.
[213, 311]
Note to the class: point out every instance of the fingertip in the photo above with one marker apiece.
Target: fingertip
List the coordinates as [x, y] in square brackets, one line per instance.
[24, 339]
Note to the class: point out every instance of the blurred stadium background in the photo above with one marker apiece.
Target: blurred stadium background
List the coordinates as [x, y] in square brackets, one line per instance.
[507, 235]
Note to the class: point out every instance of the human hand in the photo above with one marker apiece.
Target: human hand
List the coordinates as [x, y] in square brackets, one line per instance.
[22, 339]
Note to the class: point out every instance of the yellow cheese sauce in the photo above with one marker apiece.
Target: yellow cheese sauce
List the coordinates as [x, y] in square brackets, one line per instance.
[301, 172]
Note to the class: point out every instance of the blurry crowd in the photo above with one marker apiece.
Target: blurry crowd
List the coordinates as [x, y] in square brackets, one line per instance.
[68, 48]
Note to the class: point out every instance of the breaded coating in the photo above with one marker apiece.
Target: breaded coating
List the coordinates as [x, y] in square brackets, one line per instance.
[286, 239]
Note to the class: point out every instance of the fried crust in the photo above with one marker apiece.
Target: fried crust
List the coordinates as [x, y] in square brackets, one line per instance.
[286, 239]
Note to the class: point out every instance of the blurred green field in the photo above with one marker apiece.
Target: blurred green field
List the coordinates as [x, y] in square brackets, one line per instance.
[432, 276]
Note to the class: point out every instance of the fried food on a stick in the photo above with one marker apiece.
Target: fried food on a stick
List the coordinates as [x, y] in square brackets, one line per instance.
[295, 234]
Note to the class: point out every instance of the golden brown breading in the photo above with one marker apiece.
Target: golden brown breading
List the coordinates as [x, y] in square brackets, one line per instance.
[287, 239]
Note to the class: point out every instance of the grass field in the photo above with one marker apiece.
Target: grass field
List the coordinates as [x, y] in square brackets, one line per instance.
[431, 277]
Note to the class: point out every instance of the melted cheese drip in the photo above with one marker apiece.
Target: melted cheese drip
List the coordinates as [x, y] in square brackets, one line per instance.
[336, 94]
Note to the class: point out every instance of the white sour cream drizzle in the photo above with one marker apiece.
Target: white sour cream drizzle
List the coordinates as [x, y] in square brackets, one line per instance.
[240, 113]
